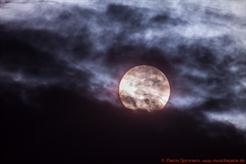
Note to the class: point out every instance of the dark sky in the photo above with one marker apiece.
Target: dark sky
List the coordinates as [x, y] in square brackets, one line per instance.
[61, 62]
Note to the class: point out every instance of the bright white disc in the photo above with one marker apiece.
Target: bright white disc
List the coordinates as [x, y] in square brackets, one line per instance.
[144, 87]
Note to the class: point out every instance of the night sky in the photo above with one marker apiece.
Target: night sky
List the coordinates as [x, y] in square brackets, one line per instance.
[61, 62]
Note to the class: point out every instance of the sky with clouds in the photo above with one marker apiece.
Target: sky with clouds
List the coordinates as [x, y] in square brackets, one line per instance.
[89, 44]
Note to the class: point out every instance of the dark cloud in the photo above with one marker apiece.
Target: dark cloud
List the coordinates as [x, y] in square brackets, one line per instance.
[78, 129]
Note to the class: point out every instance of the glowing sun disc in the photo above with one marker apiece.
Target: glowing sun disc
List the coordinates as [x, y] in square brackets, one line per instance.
[144, 87]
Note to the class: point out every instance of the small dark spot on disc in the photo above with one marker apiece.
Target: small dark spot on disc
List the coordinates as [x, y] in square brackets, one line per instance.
[146, 101]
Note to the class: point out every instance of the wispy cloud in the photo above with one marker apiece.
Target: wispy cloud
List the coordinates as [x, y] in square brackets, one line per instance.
[204, 42]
